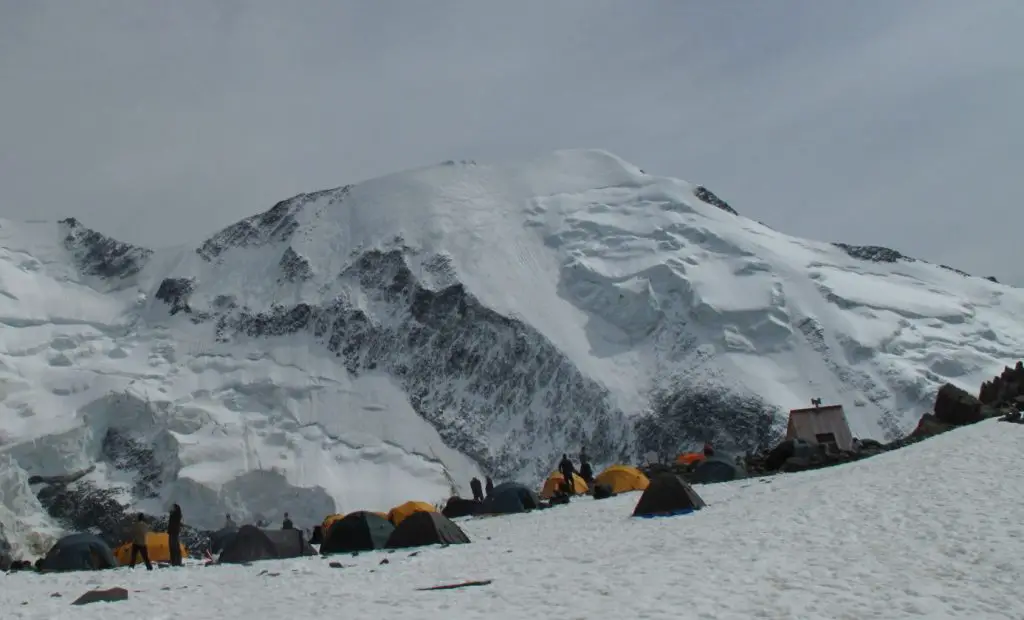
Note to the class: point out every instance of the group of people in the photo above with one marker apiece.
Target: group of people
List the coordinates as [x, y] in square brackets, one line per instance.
[568, 469]
[139, 536]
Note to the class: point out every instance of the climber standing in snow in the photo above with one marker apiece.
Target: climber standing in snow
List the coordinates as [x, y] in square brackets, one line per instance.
[567, 469]
[586, 471]
[140, 534]
[287, 525]
[489, 486]
[174, 535]
[478, 491]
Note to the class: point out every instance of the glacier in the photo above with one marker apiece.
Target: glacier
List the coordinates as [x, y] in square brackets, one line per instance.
[362, 346]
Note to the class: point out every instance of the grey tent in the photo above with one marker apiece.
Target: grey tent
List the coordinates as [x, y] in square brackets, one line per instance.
[510, 498]
[716, 469]
[668, 495]
[426, 528]
[221, 538]
[252, 544]
[357, 531]
[79, 552]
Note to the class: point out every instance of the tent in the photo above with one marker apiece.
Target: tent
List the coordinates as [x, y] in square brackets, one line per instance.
[358, 531]
[79, 552]
[426, 528]
[461, 507]
[399, 513]
[221, 538]
[330, 520]
[823, 425]
[556, 483]
[510, 498]
[622, 479]
[668, 495]
[689, 458]
[716, 469]
[251, 544]
[157, 544]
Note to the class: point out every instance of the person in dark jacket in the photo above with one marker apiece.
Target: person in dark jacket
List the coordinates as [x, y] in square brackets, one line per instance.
[488, 486]
[478, 491]
[587, 472]
[287, 525]
[174, 535]
[140, 533]
[567, 470]
[709, 450]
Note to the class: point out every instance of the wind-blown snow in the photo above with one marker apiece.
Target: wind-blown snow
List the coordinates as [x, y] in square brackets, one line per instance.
[929, 531]
[359, 347]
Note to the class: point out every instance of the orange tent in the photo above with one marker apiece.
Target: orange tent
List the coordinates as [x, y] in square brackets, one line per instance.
[622, 479]
[158, 546]
[689, 458]
[556, 481]
[329, 521]
[400, 513]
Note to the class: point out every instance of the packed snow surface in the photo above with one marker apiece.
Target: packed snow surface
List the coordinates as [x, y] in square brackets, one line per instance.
[929, 531]
[312, 358]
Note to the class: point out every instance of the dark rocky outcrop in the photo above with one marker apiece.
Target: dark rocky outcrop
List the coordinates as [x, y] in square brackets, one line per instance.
[109, 595]
[874, 253]
[1004, 389]
[272, 226]
[294, 267]
[175, 293]
[706, 195]
[98, 255]
[955, 407]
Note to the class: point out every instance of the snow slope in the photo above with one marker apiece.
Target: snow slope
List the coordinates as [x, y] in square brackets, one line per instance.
[384, 341]
[929, 531]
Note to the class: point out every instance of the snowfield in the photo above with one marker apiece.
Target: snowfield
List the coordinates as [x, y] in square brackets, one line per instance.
[929, 531]
[363, 346]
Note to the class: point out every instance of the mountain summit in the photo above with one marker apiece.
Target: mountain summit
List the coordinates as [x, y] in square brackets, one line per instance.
[361, 346]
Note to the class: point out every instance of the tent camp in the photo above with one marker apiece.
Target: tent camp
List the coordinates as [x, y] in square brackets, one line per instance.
[556, 482]
[426, 528]
[329, 520]
[510, 498]
[716, 469]
[461, 507]
[358, 531]
[403, 511]
[822, 425]
[668, 495]
[251, 544]
[622, 479]
[79, 552]
[158, 546]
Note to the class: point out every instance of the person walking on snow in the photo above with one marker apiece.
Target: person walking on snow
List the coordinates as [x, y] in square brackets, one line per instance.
[174, 535]
[478, 491]
[567, 469]
[140, 532]
[489, 486]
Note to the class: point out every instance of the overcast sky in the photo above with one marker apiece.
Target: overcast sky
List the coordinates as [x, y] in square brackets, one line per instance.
[890, 122]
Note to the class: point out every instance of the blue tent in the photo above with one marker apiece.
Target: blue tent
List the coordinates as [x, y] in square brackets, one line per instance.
[79, 552]
[510, 498]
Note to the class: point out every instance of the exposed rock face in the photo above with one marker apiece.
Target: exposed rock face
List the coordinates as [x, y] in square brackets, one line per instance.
[175, 293]
[98, 255]
[706, 195]
[956, 407]
[275, 225]
[874, 253]
[294, 268]
[1005, 388]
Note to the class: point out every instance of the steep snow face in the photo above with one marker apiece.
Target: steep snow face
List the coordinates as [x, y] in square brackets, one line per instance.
[385, 341]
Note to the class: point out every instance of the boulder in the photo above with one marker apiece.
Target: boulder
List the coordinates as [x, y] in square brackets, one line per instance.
[956, 407]
[930, 425]
[110, 595]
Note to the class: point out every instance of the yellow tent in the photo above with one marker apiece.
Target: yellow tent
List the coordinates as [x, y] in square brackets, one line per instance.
[399, 513]
[158, 546]
[329, 521]
[622, 479]
[555, 482]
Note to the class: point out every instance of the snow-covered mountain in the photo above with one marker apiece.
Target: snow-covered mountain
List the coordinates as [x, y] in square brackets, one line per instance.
[385, 341]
